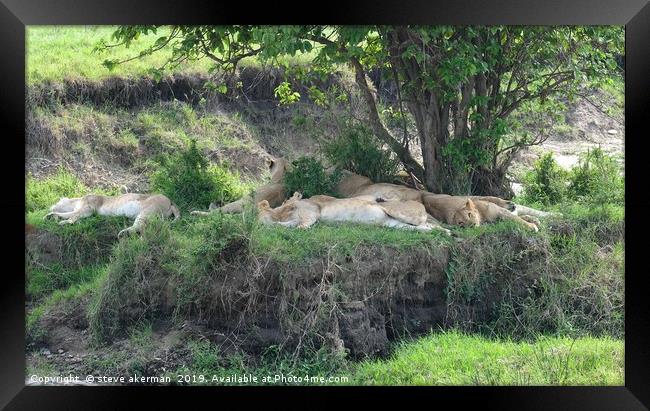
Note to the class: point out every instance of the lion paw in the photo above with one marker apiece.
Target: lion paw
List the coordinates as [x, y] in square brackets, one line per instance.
[530, 219]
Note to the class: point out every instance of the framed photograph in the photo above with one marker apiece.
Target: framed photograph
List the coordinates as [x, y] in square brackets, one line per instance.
[439, 197]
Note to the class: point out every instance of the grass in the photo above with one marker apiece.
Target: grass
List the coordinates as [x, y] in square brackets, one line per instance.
[55, 53]
[130, 141]
[41, 194]
[49, 279]
[133, 360]
[218, 368]
[440, 358]
[447, 358]
[453, 358]
[615, 88]
[287, 244]
[558, 269]
[80, 250]
[60, 299]
[171, 123]
[567, 279]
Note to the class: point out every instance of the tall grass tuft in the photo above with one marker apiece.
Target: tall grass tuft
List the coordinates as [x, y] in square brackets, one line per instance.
[190, 181]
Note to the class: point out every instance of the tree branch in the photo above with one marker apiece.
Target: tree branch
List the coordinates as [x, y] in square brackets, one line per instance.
[402, 152]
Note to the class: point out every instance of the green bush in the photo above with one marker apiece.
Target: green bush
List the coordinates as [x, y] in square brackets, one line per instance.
[44, 193]
[357, 150]
[596, 179]
[309, 178]
[567, 279]
[546, 183]
[190, 181]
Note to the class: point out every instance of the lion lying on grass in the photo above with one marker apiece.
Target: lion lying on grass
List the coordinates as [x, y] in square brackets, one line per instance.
[354, 185]
[454, 210]
[467, 211]
[300, 213]
[274, 192]
[138, 206]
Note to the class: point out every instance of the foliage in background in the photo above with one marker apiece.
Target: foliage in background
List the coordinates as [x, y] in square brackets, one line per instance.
[309, 177]
[459, 83]
[189, 180]
[546, 182]
[42, 194]
[357, 150]
[596, 179]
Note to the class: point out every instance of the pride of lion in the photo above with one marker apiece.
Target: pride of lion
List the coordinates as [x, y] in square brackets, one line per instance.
[452, 210]
[362, 201]
[303, 213]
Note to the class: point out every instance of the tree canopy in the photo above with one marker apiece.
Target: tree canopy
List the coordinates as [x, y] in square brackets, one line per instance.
[461, 85]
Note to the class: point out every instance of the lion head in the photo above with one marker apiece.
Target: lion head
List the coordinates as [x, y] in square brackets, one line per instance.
[286, 213]
[467, 216]
[278, 168]
[64, 205]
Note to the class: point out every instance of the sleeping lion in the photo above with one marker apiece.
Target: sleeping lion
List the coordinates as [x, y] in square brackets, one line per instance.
[137, 206]
[303, 213]
[274, 192]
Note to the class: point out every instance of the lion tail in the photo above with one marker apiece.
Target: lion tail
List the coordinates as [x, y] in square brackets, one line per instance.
[175, 211]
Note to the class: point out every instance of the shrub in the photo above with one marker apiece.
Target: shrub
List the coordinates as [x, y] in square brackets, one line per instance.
[568, 280]
[44, 193]
[309, 178]
[546, 182]
[189, 180]
[357, 150]
[596, 179]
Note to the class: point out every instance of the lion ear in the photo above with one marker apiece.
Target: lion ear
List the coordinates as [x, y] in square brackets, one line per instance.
[296, 196]
[469, 204]
[263, 205]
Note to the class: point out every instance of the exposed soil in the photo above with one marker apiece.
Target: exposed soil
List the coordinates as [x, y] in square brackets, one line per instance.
[359, 302]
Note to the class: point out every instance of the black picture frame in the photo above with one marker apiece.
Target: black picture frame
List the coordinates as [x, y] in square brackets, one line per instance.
[16, 14]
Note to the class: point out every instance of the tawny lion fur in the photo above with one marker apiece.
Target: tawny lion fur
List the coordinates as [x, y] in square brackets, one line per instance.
[468, 211]
[355, 186]
[137, 206]
[300, 213]
[274, 192]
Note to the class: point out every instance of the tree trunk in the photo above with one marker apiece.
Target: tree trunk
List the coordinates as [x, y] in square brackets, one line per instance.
[378, 128]
[428, 131]
[491, 182]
